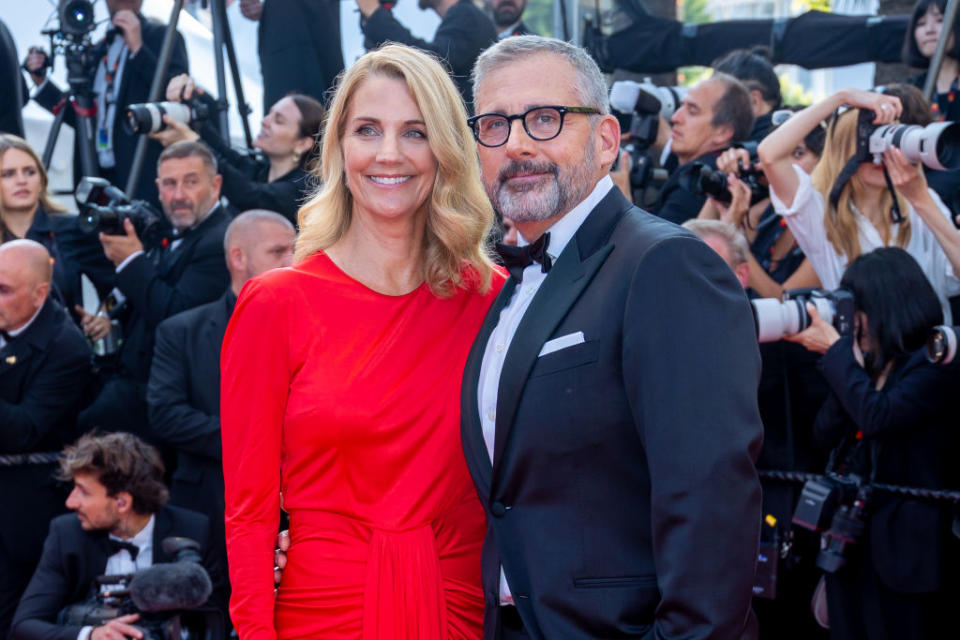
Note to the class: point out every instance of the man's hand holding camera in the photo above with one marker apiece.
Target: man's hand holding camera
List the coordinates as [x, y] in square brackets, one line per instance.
[118, 629]
[129, 25]
[119, 248]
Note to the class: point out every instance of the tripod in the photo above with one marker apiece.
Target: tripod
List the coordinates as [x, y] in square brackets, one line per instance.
[80, 61]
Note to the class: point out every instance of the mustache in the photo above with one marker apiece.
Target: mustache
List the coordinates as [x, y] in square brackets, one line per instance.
[176, 204]
[515, 169]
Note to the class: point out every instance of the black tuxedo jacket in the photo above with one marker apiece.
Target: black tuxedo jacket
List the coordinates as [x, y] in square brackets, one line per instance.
[464, 32]
[183, 396]
[134, 89]
[298, 42]
[159, 286]
[43, 372]
[623, 500]
[72, 558]
[913, 421]
[13, 95]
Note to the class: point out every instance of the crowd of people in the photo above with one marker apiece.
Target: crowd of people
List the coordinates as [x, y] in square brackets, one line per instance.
[426, 364]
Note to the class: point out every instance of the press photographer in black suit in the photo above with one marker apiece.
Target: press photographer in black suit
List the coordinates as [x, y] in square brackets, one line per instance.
[118, 527]
[463, 33]
[128, 58]
[184, 389]
[508, 17]
[44, 366]
[715, 113]
[159, 282]
[891, 417]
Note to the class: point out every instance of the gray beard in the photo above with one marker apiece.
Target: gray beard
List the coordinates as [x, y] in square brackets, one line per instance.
[553, 195]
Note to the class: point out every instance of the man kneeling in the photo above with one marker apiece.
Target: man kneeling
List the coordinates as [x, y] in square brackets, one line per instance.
[119, 525]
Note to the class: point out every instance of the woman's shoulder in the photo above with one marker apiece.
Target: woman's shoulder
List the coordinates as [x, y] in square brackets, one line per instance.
[472, 282]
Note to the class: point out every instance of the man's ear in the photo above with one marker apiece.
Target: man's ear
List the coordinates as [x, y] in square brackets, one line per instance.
[237, 258]
[124, 501]
[757, 103]
[723, 136]
[608, 136]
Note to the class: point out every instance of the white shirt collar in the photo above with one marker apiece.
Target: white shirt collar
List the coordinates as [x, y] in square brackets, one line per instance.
[144, 537]
[506, 33]
[567, 226]
[15, 332]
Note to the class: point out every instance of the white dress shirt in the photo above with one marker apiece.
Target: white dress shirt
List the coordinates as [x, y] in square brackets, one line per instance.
[805, 219]
[499, 343]
[121, 562]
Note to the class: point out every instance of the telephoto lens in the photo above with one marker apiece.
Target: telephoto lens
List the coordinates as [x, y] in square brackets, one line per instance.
[148, 117]
[942, 344]
[936, 145]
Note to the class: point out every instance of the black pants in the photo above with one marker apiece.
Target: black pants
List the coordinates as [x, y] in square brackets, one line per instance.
[511, 626]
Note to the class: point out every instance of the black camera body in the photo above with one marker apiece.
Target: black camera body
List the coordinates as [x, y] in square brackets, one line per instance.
[76, 18]
[703, 180]
[834, 505]
[103, 208]
[775, 319]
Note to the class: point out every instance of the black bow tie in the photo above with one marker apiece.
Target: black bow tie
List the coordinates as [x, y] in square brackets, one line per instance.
[516, 259]
[118, 545]
[6, 336]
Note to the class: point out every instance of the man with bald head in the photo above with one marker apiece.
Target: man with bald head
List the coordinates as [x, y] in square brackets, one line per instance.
[44, 365]
[183, 394]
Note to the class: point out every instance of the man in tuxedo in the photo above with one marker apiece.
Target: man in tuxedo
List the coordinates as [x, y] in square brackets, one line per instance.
[154, 284]
[119, 525]
[44, 366]
[508, 18]
[183, 394]
[13, 94]
[609, 411]
[128, 58]
[463, 33]
[298, 42]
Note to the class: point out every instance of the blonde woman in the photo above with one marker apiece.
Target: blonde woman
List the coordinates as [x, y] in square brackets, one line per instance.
[833, 236]
[341, 378]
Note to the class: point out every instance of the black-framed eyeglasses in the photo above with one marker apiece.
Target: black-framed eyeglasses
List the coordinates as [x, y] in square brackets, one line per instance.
[541, 123]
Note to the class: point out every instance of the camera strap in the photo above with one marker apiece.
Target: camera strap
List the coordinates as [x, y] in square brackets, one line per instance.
[847, 172]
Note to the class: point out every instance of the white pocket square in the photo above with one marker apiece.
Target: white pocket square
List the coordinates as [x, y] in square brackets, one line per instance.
[563, 342]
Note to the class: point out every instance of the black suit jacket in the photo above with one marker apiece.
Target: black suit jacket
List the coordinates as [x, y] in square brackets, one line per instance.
[43, 372]
[675, 202]
[913, 421]
[464, 32]
[13, 95]
[623, 500]
[72, 558]
[159, 286]
[134, 89]
[299, 48]
[184, 403]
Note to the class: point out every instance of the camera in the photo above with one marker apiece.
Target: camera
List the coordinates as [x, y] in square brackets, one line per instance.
[841, 501]
[936, 145]
[628, 96]
[76, 18]
[775, 319]
[703, 180]
[639, 107]
[148, 117]
[169, 598]
[942, 344]
[103, 208]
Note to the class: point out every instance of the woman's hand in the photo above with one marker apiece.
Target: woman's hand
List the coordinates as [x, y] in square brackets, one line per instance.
[885, 108]
[907, 178]
[175, 132]
[730, 160]
[735, 212]
[181, 88]
[819, 336]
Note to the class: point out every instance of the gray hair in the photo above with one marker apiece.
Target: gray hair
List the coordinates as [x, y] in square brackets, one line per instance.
[590, 85]
[736, 244]
[247, 220]
[189, 149]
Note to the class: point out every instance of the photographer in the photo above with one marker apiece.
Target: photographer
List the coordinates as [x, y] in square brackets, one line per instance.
[832, 231]
[161, 281]
[714, 113]
[890, 418]
[128, 57]
[288, 136]
[44, 367]
[753, 69]
[118, 527]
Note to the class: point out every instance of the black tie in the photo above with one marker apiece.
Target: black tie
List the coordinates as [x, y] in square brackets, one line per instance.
[516, 259]
[118, 545]
[6, 336]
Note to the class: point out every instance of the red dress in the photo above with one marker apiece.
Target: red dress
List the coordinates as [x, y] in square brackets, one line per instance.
[347, 402]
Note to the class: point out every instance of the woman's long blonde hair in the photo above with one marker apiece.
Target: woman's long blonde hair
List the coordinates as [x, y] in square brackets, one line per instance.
[459, 214]
[841, 221]
[9, 141]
